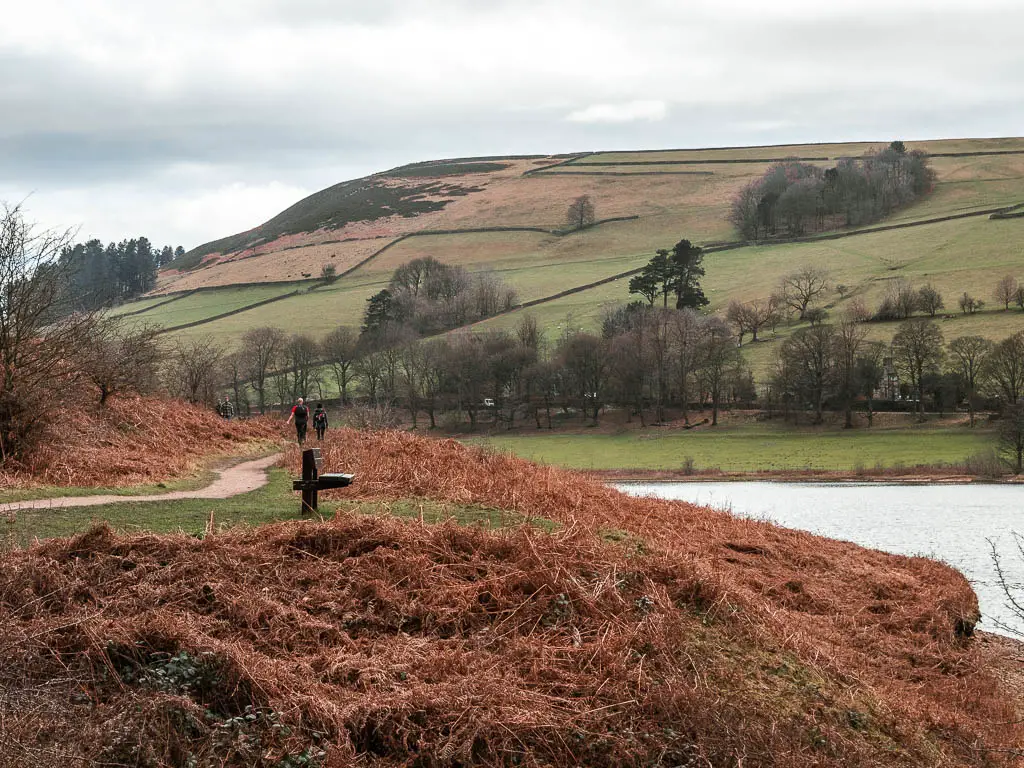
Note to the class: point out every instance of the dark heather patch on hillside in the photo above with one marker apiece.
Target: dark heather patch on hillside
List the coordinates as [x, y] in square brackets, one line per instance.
[446, 169]
[334, 207]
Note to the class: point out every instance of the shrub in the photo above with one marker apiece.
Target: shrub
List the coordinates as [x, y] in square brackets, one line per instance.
[984, 464]
[372, 416]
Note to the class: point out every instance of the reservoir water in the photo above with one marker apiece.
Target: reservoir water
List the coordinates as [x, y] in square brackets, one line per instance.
[952, 523]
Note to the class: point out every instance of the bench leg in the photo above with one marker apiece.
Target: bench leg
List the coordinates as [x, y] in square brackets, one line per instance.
[309, 501]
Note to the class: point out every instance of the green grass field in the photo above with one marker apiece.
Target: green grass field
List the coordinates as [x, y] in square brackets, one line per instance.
[141, 306]
[206, 304]
[750, 448]
[274, 502]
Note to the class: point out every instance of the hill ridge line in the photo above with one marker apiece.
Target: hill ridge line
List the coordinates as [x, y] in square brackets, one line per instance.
[751, 160]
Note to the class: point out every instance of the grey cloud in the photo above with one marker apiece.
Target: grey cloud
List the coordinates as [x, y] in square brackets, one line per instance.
[237, 91]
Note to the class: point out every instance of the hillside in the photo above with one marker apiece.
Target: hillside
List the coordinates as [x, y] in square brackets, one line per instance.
[367, 227]
[591, 628]
[130, 440]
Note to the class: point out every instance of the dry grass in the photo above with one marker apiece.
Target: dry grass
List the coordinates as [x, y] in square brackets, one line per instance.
[639, 633]
[274, 266]
[128, 441]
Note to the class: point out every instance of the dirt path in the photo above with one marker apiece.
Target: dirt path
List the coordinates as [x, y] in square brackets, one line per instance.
[231, 481]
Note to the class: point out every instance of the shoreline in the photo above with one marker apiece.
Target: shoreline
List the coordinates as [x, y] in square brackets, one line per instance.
[923, 477]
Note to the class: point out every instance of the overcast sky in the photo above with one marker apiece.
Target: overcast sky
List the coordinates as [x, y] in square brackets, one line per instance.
[190, 120]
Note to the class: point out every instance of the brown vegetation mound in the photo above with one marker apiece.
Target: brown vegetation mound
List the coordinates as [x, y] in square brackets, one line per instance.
[128, 440]
[691, 638]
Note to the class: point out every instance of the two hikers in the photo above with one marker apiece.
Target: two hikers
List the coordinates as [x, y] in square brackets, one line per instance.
[300, 413]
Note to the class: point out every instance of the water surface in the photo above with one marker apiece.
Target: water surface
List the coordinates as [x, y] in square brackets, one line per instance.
[952, 523]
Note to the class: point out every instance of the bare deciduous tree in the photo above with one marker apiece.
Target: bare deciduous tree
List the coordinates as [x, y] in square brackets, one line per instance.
[261, 349]
[1011, 437]
[917, 352]
[300, 359]
[717, 357]
[339, 349]
[929, 300]
[804, 286]
[752, 316]
[848, 345]
[969, 305]
[1004, 369]
[193, 369]
[967, 356]
[120, 358]
[807, 366]
[1006, 290]
[36, 338]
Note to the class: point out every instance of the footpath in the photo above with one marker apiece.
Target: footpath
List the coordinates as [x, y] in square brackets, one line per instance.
[231, 481]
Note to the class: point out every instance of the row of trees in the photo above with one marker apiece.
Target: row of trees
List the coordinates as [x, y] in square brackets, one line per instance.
[799, 291]
[427, 296]
[835, 365]
[103, 276]
[793, 197]
[644, 358]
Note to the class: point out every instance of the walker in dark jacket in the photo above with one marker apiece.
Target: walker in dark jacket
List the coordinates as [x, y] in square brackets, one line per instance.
[320, 421]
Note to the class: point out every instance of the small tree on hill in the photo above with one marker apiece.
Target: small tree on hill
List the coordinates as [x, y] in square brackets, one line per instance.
[969, 305]
[802, 287]
[929, 300]
[329, 273]
[581, 213]
[685, 272]
[1006, 290]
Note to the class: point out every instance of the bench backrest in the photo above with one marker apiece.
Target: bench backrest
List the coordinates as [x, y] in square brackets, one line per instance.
[312, 462]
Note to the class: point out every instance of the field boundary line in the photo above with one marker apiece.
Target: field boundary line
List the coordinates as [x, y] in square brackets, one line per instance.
[627, 173]
[727, 246]
[480, 230]
[731, 246]
[177, 296]
[567, 161]
[222, 315]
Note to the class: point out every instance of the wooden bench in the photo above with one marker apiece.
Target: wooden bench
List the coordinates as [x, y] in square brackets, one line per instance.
[313, 481]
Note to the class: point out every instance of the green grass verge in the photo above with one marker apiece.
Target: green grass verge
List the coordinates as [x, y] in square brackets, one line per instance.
[750, 448]
[274, 502]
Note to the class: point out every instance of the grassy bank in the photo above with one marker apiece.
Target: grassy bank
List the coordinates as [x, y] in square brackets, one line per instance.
[639, 632]
[750, 448]
[274, 502]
